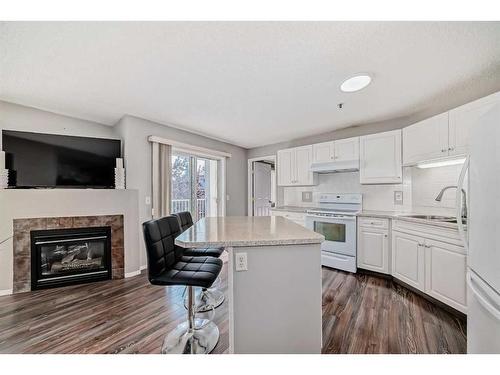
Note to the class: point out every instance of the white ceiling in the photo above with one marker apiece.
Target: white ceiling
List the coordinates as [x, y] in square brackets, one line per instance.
[249, 83]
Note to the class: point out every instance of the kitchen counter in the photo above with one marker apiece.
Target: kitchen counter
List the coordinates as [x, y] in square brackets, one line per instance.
[238, 231]
[273, 264]
[404, 217]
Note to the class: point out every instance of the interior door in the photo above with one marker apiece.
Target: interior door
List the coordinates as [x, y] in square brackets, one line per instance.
[261, 189]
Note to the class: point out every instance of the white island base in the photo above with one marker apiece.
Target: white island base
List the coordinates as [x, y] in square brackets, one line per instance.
[274, 305]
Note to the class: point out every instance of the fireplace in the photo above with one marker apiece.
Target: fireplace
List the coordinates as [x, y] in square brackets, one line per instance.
[70, 256]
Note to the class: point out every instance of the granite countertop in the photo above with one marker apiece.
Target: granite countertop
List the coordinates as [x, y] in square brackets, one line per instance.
[292, 208]
[246, 231]
[404, 217]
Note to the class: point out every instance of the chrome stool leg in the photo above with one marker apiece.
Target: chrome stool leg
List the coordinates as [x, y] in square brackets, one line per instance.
[206, 299]
[196, 336]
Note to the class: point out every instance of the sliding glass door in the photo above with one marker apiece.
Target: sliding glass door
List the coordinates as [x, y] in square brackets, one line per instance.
[194, 185]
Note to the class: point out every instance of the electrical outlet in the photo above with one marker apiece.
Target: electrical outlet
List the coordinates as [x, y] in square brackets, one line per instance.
[398, 197]
[241, 262]
[307, 196]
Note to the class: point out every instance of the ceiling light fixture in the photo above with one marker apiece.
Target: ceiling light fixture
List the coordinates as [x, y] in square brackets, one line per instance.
[355, 83]
[443, 163]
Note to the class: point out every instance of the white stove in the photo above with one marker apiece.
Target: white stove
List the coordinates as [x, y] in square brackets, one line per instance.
[335, 218]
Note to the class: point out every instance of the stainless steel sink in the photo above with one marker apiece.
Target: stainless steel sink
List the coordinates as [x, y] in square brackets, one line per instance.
[447, 219]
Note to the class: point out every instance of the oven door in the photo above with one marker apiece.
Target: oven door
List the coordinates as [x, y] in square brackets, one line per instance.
[339, 232]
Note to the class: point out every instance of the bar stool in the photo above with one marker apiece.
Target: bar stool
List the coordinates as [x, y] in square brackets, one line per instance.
[207, 298]
[167, 265]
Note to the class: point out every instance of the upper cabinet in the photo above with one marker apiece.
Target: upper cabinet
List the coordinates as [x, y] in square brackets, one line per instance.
[444, 135]
[380, 158]
[339, 150]
[426, 140]
[294, 166]
[463, 118]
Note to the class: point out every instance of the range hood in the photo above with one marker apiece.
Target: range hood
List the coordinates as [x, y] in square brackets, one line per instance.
[335, 166]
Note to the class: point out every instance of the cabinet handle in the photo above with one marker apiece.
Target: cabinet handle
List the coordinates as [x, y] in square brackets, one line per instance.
[444, 150]
[451, 148]
[385, 235]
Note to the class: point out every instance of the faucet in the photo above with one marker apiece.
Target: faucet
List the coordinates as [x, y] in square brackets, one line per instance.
[464, 198]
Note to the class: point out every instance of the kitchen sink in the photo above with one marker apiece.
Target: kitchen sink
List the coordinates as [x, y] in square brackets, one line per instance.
[447, 219]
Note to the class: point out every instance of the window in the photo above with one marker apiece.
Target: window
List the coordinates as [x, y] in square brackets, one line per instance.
[194, 185]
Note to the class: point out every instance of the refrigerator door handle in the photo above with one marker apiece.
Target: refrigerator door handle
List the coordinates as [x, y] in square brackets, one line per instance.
[458, 205]
[481, 296]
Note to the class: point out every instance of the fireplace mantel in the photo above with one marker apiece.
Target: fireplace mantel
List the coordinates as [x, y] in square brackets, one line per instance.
[67, 203]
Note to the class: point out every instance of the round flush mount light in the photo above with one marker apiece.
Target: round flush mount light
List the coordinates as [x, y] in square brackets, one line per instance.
[355, 83]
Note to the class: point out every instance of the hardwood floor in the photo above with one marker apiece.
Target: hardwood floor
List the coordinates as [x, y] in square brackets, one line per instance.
[361, 314]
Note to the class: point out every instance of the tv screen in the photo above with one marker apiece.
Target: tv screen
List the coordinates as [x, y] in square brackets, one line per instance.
[48, 160]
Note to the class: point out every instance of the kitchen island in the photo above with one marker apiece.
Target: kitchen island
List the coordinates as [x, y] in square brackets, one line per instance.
[275, 303]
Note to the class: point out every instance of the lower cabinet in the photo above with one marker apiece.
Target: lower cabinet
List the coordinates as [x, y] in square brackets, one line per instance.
[373, 249]
[296, 217]
[434, 267]
[408, 259]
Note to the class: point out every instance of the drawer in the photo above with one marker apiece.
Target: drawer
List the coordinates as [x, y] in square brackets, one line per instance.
[373, 222]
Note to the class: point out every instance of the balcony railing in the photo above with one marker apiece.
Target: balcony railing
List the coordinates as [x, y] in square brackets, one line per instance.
[179, 205]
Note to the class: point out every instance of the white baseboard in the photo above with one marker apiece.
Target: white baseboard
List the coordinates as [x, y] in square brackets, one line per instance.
[145, 267]
[6, 292]
[132, 274]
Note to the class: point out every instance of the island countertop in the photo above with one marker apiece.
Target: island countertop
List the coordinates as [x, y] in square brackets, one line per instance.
[237, 231]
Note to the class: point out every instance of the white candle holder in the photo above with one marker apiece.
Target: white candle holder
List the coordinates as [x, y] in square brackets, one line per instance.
[119, 178]
[4, 178]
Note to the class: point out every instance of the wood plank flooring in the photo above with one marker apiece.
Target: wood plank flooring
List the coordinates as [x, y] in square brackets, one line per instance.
[361, 314]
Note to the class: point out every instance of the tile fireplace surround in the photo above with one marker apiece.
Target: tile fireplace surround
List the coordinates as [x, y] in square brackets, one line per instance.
[22, 245]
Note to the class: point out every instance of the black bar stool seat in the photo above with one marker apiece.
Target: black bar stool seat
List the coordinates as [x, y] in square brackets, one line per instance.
[210, 252]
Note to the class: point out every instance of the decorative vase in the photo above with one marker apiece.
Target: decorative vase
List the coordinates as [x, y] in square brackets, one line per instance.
[119, 178]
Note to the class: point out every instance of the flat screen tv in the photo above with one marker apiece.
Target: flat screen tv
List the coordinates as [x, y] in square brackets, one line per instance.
[39, 160]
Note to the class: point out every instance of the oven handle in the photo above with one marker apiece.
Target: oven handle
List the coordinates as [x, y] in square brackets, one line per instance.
[351, 218]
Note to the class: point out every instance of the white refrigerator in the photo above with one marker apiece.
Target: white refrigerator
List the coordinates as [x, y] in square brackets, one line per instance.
[482, 237]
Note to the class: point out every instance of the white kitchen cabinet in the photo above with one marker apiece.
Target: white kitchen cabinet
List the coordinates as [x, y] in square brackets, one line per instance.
[380, 158]
[408, 259]
[340, 150]
[463, 118]
[294, 167]
[346, 149]
[373, 245]
[323, 152]
[445, 270]
[426, 140]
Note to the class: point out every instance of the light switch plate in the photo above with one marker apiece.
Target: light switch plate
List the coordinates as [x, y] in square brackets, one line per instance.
[398, 197]
[307, 196]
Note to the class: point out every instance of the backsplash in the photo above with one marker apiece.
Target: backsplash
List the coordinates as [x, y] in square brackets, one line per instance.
[420, 188]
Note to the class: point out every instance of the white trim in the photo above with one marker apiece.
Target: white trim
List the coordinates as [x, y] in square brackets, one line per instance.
[250, 179]
[6, 292]
[200, 151]
[144, 267]
[132, 274]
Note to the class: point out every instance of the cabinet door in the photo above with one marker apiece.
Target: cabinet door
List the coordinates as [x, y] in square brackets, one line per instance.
[464, 118]
[347, 149]
[445, 270]
[323, 152]
[426, 140]
[286, 167]
[408, 259]
[373, 249]
[303, 159]
[380, 158]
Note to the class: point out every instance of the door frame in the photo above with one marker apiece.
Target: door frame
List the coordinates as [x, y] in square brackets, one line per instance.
[250, 180]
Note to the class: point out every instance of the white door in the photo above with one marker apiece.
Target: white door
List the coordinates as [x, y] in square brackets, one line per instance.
[323, 152]
[373, 249]
[408, 259]
[465, 118]
[380, 158]
[445, 271]
[426, 140]
[303, 159]
[286, 167]
[346, 149]
[261, 189]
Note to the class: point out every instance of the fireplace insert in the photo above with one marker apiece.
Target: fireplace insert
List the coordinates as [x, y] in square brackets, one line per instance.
[70, 256]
